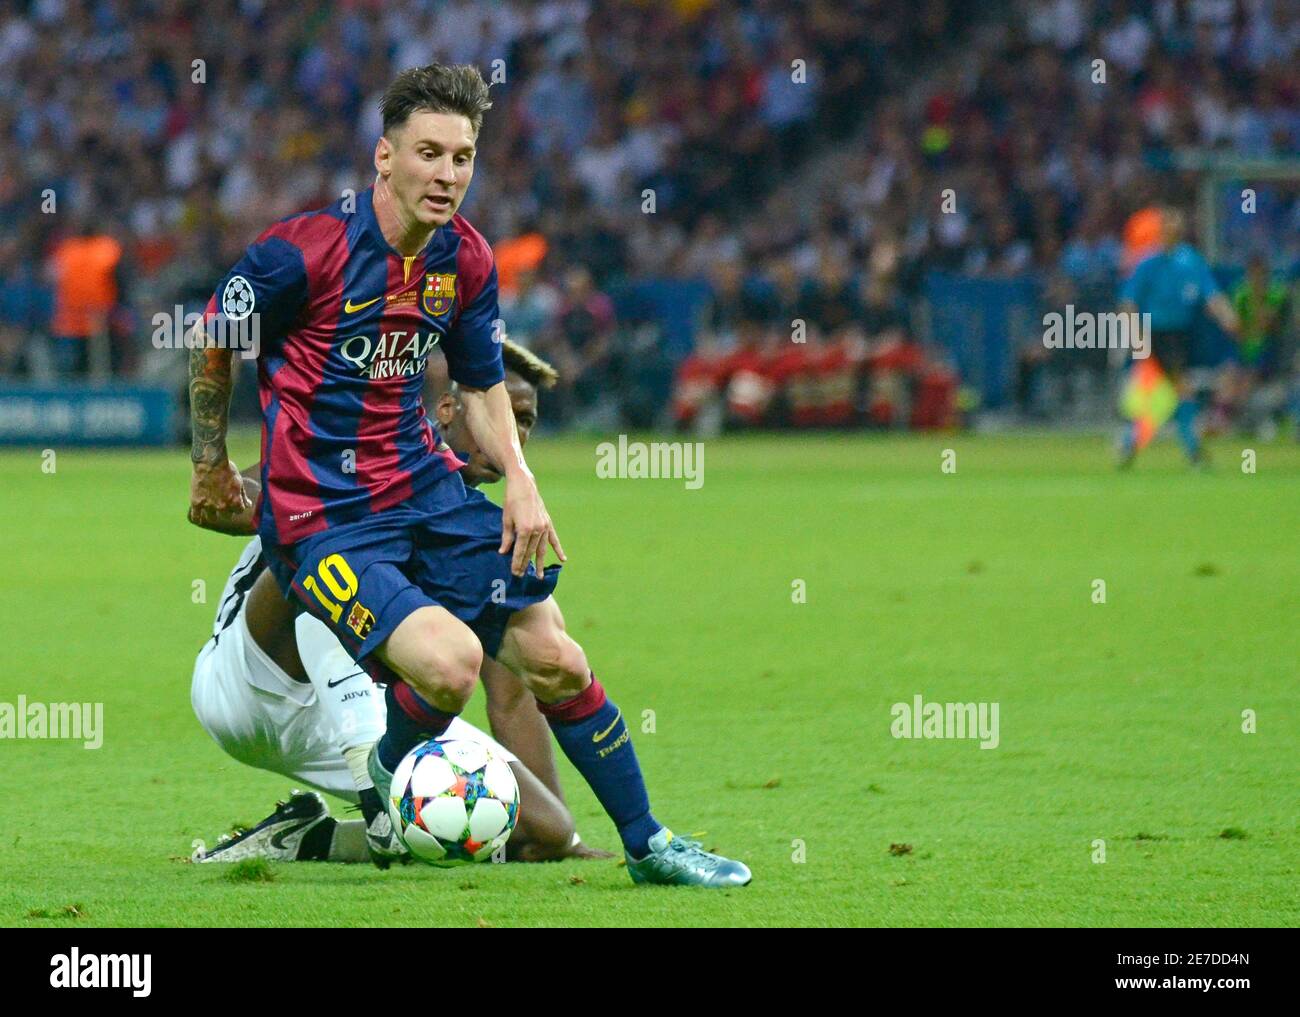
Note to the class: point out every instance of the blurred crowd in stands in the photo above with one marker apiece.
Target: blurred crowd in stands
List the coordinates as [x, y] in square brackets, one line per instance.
[787, 174]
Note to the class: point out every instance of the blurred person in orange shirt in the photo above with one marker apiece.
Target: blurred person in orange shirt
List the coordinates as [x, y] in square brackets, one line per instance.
[517, 256]
[84, 269]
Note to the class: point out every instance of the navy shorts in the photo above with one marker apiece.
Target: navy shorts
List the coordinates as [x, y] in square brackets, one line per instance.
[437, 548]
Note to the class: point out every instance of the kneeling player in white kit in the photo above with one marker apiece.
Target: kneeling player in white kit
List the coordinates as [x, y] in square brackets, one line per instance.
[279, 693]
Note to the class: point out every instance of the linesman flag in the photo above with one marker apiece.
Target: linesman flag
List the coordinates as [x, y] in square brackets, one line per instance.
[1148, 399]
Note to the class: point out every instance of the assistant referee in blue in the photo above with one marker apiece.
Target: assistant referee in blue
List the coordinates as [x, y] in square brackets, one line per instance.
[1175, 286]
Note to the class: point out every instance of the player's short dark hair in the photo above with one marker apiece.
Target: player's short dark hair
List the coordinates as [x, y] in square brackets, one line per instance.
[528, 365]
[437, 88]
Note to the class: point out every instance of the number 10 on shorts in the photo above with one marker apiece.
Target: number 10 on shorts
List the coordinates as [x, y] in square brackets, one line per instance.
[339, 579]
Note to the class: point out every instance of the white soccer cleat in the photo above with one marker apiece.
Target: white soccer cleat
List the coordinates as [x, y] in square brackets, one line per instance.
[278, 837]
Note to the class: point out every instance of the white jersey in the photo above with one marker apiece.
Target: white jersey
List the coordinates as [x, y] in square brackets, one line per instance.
[251, 564]
[261, 716]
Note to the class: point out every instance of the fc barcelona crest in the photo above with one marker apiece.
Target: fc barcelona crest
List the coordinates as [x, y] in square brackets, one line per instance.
[439, 292]
[360, 620]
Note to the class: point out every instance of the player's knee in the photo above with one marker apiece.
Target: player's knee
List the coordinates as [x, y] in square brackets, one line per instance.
[444, 670]
[557, 667]
[458, 666]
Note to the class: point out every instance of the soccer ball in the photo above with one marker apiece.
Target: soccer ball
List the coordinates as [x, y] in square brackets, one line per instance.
[452, 801]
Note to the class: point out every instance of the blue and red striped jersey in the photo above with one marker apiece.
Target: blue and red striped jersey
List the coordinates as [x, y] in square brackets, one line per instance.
[345, 326]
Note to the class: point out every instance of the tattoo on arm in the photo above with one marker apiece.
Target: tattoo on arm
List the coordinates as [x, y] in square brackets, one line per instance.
[210, 385]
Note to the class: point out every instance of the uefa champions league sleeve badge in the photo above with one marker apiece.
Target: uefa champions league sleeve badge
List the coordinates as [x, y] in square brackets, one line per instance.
[237, 298]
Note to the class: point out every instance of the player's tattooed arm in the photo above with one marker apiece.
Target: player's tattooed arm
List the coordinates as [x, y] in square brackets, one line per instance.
[210, 385]
[218, 500]
[240, 522]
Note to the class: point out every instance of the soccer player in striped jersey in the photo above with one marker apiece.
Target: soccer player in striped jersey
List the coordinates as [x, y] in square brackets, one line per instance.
[282, 695]
[363, 515]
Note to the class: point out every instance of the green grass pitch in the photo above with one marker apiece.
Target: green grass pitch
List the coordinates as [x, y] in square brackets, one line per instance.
[1119, 722]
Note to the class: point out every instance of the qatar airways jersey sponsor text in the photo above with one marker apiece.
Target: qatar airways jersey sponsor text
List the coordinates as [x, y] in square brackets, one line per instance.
[395, 354]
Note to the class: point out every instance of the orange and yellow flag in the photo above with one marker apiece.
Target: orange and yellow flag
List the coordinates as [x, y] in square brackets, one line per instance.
[1149, 399]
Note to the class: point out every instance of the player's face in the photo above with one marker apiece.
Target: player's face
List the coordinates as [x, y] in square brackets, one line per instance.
[428, 163]
[451, 422]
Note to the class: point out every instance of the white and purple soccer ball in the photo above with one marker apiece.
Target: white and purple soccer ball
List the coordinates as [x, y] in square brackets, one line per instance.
[453, 802]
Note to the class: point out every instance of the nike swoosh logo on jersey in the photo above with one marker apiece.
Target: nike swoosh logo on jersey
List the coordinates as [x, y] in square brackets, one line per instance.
[350, 308]
[354, 674]
[600, 737]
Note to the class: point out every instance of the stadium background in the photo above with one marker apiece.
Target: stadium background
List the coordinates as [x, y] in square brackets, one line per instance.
[797, 157]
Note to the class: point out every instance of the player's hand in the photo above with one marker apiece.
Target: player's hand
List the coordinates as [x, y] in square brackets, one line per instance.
[526, 524]
[218, 500]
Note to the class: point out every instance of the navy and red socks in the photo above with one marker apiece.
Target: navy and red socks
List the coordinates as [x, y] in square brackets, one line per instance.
[411, 720]
[595, 738]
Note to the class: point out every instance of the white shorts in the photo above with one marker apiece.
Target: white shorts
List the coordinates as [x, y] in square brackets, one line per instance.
[262, 717]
